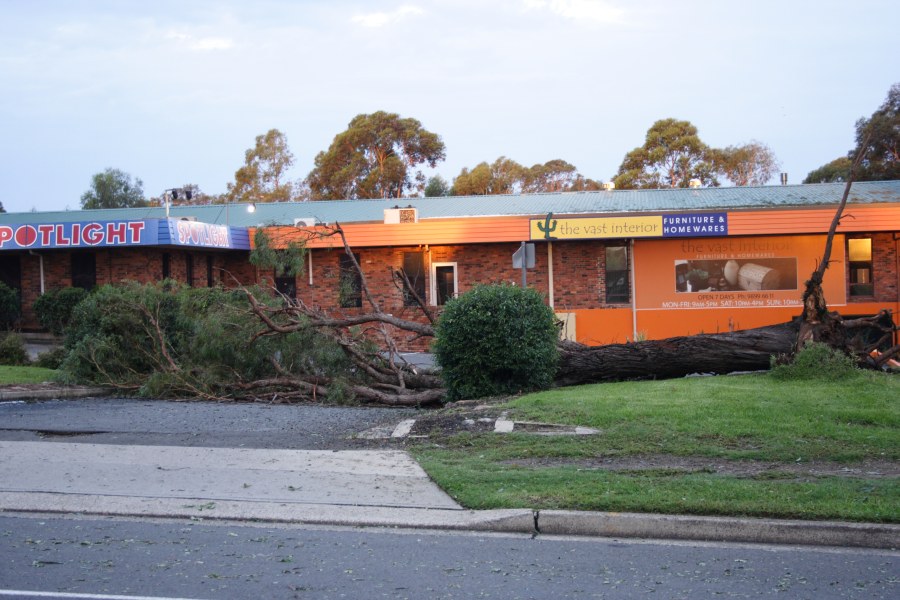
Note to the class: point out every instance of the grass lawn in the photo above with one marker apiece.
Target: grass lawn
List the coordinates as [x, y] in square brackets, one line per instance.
[19, 375]
[732, 445]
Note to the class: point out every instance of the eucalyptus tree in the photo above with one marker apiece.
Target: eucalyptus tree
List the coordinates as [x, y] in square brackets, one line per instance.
[672, 155]
[264, 175]
[376, 157]
[114, 188]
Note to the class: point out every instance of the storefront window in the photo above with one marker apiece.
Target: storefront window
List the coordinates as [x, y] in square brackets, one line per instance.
[414, 267]
[859, 251]
[617, 288]
[84, 270]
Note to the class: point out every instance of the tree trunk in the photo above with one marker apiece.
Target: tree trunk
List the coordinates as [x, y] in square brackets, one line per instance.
[747, 350]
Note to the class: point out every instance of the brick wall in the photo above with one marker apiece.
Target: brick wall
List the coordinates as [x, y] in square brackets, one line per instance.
[114, 265]
[578, 269]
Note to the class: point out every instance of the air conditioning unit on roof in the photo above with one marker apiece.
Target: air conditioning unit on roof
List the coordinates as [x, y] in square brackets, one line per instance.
[397, 215]
[305, 222]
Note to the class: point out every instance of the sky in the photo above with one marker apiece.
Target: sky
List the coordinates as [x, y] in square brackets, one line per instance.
[174, 92]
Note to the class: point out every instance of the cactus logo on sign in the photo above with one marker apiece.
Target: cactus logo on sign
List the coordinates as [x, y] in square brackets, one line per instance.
[547, 227]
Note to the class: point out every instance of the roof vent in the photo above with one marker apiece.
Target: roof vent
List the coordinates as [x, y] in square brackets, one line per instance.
[396, 215]
[305, 222]
[695, 183]
[609, 186]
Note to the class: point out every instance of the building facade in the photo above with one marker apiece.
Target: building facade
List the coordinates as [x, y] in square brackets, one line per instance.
[614, 265]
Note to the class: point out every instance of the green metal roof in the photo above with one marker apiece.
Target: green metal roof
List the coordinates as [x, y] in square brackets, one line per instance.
[563, 203]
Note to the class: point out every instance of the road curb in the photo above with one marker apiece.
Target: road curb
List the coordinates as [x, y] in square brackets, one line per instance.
[720, 529]
[521, 521]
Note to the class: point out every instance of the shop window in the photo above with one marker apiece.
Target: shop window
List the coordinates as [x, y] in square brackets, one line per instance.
[166, 265]
[286, 286]
[84, 270]
[859, 252]
[444, 283]
[11, 271]
[414, 267]
[350, 284]
[189, 269]
[617, 287]
[284, 275]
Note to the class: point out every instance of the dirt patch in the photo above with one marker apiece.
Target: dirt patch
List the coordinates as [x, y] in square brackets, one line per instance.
[443, 424]
[869, 469]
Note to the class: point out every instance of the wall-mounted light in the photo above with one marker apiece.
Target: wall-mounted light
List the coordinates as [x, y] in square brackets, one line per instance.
[251, 208]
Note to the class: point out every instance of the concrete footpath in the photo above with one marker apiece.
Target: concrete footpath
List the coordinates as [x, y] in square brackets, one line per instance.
[345, 488]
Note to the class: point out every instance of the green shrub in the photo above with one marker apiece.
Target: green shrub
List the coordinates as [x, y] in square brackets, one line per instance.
[10, 308]
[816, 361]
[52, 359]
[12, 349]
[496, 339]
[54, 308]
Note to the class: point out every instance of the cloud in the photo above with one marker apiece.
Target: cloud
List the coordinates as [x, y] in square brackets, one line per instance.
[380, 19]
[596, 11]
[201, 44]
[212, 43]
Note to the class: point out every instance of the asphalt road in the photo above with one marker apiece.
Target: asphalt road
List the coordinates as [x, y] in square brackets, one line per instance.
[197, 560]
[198, 424]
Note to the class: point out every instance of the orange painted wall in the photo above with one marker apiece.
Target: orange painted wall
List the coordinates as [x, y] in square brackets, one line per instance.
[599, 326]
[814, 220]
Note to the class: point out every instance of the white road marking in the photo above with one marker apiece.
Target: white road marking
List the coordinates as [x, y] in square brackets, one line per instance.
[27, 594]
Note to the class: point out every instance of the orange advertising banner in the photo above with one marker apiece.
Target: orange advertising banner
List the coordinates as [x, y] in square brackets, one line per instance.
[738, 272]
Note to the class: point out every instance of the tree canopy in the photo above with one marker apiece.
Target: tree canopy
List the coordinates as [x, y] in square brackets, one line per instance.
[881, 160]
[263, 178]
[753, 163]
[835, 171]
[437, 187]
[374, 158]
[553, 176]
[503, 176]
[506, 176]
[671, 156]
[114, 189]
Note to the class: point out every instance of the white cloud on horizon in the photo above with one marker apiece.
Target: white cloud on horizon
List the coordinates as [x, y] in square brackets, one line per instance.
[595, 11]
[201, 44]
[380, 19]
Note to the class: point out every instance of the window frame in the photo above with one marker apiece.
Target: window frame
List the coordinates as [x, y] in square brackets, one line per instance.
[613, 294]
[435, 299]
[856, 288]
[347, 270]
